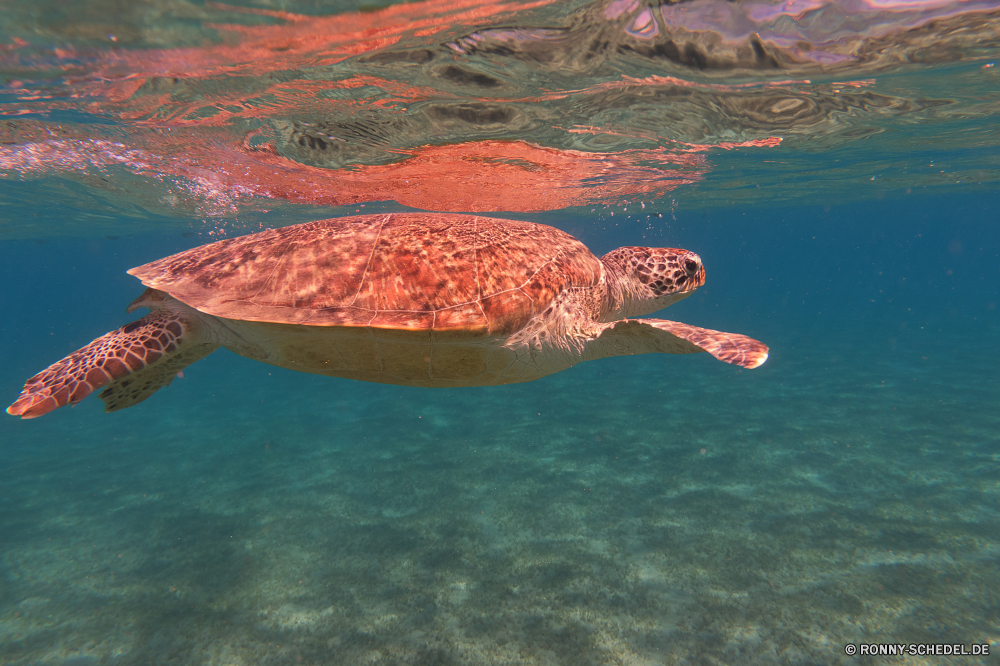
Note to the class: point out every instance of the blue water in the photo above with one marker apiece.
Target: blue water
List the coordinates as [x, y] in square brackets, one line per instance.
[833, 164]
[661, 508]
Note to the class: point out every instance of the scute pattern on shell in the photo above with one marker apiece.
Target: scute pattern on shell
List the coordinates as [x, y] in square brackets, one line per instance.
[412, 271]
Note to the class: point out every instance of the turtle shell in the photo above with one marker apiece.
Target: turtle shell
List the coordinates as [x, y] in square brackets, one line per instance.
[404, 271]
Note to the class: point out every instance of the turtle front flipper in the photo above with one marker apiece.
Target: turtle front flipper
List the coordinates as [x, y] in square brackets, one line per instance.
[652, 336]
[133, 362]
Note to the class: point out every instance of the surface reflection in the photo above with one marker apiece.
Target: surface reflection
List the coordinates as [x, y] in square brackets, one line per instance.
[483, 176]
[452, 106]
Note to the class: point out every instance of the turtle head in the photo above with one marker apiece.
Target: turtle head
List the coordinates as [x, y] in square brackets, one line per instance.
[642, 280]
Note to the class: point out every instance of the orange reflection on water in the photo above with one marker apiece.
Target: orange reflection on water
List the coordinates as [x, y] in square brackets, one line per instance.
[298, 96]
[481, 176]
[246, 52]
[298, 42]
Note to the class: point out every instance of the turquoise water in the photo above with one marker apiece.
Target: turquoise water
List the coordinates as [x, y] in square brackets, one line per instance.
[634, 510]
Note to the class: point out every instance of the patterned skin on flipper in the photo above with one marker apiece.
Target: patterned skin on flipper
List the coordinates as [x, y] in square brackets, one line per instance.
[109, 358]
[136, 387]
[731, 348]
[651, 336]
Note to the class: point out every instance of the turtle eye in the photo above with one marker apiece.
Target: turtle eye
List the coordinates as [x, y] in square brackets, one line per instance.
[691, 266]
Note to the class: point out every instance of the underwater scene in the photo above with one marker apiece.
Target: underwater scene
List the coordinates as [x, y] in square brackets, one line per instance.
[821, 487]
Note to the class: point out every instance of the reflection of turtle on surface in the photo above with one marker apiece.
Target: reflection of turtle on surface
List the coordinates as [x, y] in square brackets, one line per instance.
[419, 299]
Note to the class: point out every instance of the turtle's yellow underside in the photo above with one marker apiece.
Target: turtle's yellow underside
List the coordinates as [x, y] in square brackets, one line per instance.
[388, 356]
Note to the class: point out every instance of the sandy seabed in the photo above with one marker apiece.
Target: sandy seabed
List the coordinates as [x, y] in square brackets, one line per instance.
[632, 511]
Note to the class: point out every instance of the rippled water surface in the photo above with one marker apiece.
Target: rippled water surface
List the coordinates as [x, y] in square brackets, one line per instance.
[835, 166]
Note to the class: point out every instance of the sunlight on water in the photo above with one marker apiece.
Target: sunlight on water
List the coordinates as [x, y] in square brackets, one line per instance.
[830, 169]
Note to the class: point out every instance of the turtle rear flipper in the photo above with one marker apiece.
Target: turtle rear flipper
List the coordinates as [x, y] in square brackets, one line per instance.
[139, 385]
[651, 336]
[133, 362]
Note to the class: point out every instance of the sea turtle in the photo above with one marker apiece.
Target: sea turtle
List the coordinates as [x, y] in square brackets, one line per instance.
[420, 299]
